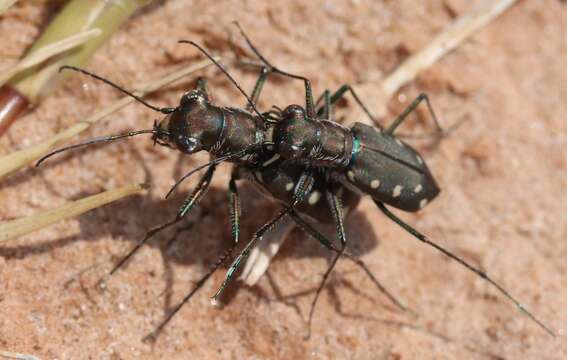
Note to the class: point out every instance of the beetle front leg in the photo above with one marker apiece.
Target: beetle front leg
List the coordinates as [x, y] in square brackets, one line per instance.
[188, 204]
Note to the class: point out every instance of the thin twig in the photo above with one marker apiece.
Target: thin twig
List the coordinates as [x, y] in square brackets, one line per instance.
[455, 34]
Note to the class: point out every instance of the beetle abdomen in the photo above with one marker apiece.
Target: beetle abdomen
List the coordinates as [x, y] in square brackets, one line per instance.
[277, 178]
[390, 171]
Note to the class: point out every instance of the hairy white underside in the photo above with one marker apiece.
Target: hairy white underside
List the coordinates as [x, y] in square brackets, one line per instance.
[261, 256]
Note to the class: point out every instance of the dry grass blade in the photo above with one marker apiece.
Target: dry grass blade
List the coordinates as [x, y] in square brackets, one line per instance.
[24, 157]
[18, 356]
[445, 42]
[5, 5]
[48, 51]
[18, 227]
[76, 16]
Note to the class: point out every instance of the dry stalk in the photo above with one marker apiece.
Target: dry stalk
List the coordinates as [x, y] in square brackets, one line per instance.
[48, 51]
[455, 34]
[5, 5]
[18, 227]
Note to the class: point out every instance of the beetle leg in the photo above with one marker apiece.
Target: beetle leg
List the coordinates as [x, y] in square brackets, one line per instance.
[418, 235]
[336, 207]
[340, 93]
[314, 233]
[234, 206]
[264, 73]
[414, 104]
[235, 209]
[239, 260]
[152, 336]
[188, 204]
[326, 109]
[303, 187]
[309, 104]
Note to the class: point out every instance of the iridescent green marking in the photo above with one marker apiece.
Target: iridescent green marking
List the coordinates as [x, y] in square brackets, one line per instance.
[355, 148]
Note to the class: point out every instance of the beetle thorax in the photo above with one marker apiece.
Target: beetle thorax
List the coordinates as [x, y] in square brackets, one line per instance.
[295, 135]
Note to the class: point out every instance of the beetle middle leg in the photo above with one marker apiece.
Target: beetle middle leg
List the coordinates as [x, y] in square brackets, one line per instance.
[309, 102]
[336, 207]
[302, 188]
[187, 206]
[317, 235]
[408, 110]
[234, 214]
[330, 101]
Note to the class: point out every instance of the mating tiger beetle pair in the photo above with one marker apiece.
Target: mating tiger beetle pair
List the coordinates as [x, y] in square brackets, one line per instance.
[314, 166]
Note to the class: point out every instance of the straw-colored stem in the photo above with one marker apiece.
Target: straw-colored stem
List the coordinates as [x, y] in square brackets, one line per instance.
[24, 157]
[5, 5]
[12, 102]
[77, 16]
[18, 227]
[37, 78]
[48, 51]
[17, 356]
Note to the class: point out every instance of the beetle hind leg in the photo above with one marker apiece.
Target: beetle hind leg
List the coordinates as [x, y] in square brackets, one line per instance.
[439, 132]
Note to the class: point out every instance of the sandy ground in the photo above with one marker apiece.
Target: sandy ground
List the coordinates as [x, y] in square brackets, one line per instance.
[503, 175]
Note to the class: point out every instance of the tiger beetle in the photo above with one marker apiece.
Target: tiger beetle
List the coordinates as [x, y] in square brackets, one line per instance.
[316, 154]
[370, 160]
[240, 136]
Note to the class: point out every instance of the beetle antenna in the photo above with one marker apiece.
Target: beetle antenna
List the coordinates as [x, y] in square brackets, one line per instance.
[95, 141]
[248, 99]
[210, 163]
[163, 110]
[153, 335]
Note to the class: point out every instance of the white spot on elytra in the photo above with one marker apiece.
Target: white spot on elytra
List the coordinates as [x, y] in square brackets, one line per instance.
[397, 191]
[419, 159]
[271, 160]
[422, 203]
[418, 188]
[399, 142]
[350, 175]
[375, 184]
[314, 197]
[289, 186]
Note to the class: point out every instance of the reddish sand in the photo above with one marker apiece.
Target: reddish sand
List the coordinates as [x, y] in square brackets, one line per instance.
[503, 204]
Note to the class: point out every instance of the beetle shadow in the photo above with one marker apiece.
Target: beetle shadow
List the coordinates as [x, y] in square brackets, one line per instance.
[199, 239]
[361, 240]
